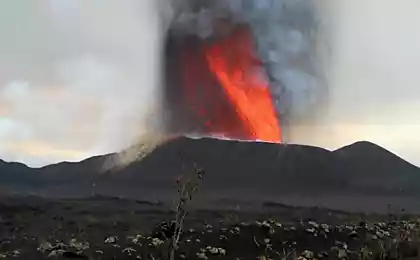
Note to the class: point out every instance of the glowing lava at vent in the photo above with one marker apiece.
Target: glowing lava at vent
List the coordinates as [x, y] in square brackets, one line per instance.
[221, 84]
[239, 71]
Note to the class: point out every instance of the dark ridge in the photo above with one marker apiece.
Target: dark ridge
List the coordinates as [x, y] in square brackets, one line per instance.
[367, 149]
[248, 170]
[360, 145]
[371, 162]
[13, 164]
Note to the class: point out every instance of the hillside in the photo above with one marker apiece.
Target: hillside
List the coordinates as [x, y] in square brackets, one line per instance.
[232, 169]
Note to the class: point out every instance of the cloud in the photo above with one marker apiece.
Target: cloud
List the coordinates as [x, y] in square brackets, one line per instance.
[39, 149]
[4, 109]
[76, 78]
[373, 72]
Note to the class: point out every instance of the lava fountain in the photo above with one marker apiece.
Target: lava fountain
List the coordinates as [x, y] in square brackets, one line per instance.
[220, 83]
[221, 87]
[233, 61]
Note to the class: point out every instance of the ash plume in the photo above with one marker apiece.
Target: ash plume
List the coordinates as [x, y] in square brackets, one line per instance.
[290, 41]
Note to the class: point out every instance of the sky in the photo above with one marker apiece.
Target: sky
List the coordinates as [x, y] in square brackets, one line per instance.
[78, 78]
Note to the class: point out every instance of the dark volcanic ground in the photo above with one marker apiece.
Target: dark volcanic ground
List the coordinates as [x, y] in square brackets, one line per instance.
[117, 229]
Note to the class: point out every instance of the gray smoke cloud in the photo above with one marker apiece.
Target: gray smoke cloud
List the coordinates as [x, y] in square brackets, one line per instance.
[291, 40]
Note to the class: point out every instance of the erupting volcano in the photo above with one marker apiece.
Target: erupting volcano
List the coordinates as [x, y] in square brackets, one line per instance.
[218, 86]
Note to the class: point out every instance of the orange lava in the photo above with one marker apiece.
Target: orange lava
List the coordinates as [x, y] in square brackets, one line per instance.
[203, 95]
[234, 63]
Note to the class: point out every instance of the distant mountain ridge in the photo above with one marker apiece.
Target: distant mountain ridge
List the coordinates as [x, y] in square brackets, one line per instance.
[232, 169]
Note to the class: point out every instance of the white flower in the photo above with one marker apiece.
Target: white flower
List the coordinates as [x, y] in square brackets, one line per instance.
[44, 246]
[222, 251]
[57, 252]
[314, 224]
[310, 230]
[79, 245]
[136, 239]
[213, 250]
[111, 240]
[325, 227]
[308, 254]
[129, 250]
[156, 242]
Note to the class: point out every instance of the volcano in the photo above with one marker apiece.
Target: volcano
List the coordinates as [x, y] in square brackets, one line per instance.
[362, 175]
[218, 86]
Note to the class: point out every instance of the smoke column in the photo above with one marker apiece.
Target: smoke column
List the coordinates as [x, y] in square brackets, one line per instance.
[288, 42]
[284, 44]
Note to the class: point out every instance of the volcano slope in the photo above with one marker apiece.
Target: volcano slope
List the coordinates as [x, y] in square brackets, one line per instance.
[359, 174]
